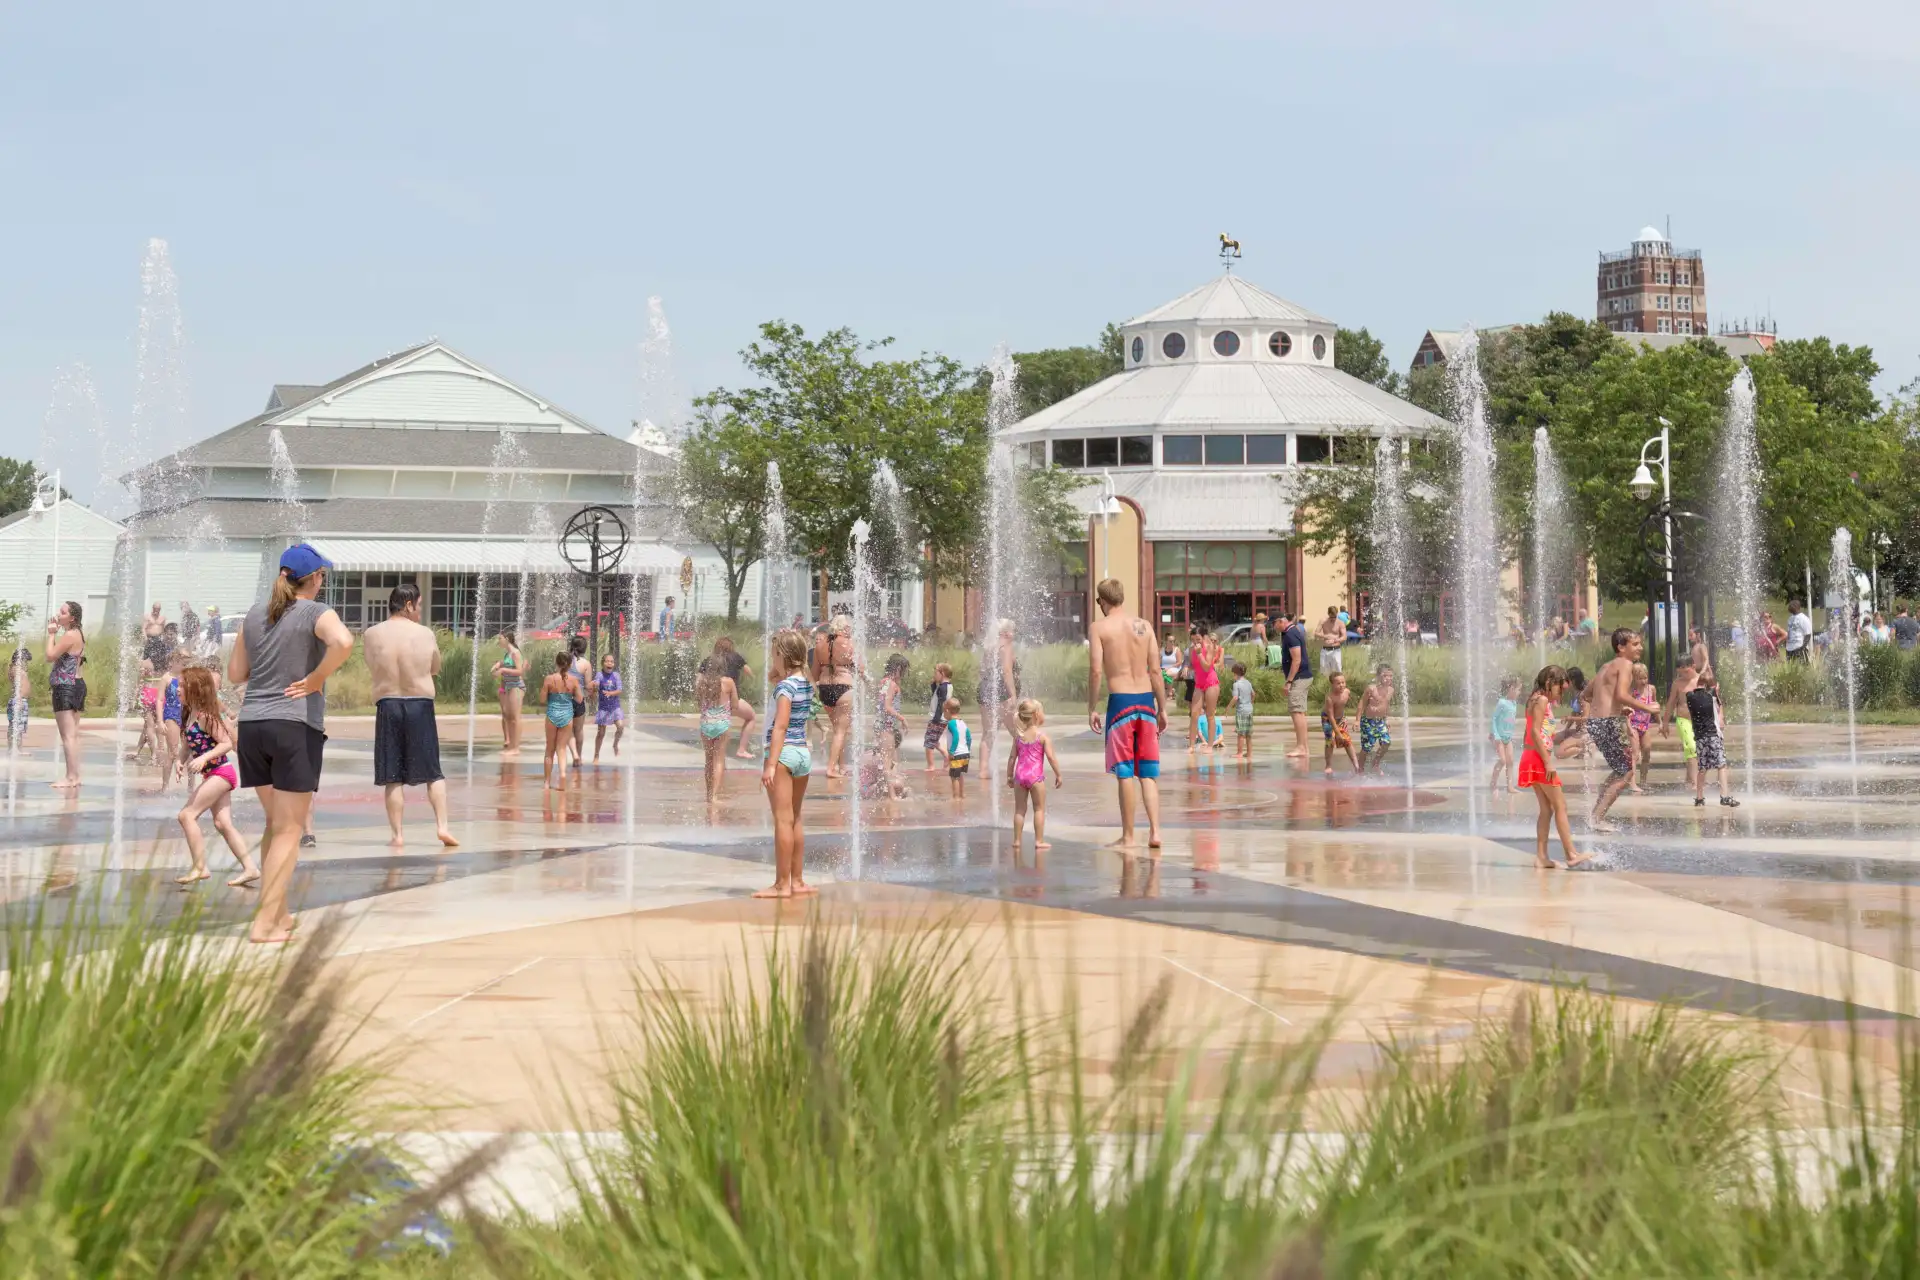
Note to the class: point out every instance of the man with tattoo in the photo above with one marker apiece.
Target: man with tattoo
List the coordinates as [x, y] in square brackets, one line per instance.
[1120, 648]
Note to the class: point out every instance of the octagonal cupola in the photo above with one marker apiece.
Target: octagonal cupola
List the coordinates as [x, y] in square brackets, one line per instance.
[1227, 320]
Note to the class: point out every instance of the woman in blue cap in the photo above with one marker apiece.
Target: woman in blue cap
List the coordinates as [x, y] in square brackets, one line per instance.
[285, 652]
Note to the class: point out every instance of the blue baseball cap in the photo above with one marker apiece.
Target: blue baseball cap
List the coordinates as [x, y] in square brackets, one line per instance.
[301, 559]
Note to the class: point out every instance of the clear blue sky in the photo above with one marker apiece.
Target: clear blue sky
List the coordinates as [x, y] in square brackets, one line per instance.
[340, 179]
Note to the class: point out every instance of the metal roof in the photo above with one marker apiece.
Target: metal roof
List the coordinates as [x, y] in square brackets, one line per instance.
[473, 555]
[247, 445]
[1229, 298]
[1246, 394]
[352, 517]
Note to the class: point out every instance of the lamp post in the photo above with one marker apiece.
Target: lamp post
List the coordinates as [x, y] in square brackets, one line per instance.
[46, 497]
[1109, 508]
[1642, 487]
[1879, 540]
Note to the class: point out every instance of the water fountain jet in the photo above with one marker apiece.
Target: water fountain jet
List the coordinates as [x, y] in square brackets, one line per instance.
[1476, 552]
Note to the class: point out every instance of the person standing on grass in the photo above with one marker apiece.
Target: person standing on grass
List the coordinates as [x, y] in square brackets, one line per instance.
[1799, 634]
[1703, 708]
[67, 650]
[1120, 653]
[789, 762]
[286, 651]
[1298, 672]
[1905, 628]
[1537, 771]
[1027, 762]
[204, 762]
[1610, 699]
[403, 657]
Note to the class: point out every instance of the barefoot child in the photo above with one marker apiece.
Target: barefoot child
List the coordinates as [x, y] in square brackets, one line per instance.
[559, 692]
[170, 712]
[789, 761]
[1709, 739]
[1505, 712]
[1537, 772]
[1242, 712]
[204, 762]
[1375, 705]
[716, 696]
[1675, 717]
[1333, 722]
[890, 727]
[1638, 724]
[1027, 771]
[607, 709]
[941, 689]
[957, 747]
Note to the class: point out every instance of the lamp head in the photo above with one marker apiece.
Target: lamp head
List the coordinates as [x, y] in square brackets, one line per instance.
[1642, 482]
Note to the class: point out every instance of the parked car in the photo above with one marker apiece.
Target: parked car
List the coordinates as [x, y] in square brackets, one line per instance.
[561, 627]
[1236, 633]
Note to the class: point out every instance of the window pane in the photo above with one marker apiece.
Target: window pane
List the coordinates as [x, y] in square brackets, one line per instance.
[1069, 453]
[1103, 453]
[1267, 450]
[1136, 451]
[1226, 451]
[1180, 451]
[1311, 448]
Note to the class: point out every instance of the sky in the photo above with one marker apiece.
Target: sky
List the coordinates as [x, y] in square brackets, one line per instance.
[338, 181]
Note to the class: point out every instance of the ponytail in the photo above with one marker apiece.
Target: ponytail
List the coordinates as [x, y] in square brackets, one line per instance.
[285, 591]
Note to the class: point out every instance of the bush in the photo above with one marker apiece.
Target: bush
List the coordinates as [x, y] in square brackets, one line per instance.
[1795, 682]
[1883, 672]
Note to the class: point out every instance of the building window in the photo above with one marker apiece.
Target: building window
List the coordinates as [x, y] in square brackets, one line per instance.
[1662, 302]
[1267, 451]
[1226, 343]
[1662, 277]
[1103, 451]
[1663, 325]
[1312, 448]
[361, 598]
[1069, 453]
[1136, 451]
[1221, 567]
[455, 598]
[1173, 346]
[1684, 277]
[1280, 344]
[1037, 453]
[1180, 451]
[1139, 349]
[1226, 451]
[1683, 302]
[1686, 326]
[1319, 346]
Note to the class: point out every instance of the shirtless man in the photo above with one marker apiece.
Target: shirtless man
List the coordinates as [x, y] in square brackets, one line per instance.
[1120, 648]
[403, 658]
[1608, 702]
[1333, 638]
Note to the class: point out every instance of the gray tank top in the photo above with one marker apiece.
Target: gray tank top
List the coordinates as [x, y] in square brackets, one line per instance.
[277, 655]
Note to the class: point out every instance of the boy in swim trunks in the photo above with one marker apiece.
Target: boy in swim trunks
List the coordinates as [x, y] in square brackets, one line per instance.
[1611, 700]
[1686, 677]
[1242, 712]
[1121, 653]
[1333, 722]
[1375, 703]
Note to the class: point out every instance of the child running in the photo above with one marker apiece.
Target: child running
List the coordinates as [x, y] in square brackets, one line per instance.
[1536, 769]
[941, 690]
[204, 763]
[1333, 722]
[1027, 771]
[890, 727]
[1638, 724]
[1242, 712]
[958, 749]
[785, 773]
[1375, 705]
[607, 709]
[1709, 739]
[560, 692]
[170, 713]
[1505, 712]
[1676, 716]
[716, 694]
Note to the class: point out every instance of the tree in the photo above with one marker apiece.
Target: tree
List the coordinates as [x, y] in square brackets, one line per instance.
[1359, 353]
[1838, 381]
[1050, 376]
[16, 485]
[720, 493]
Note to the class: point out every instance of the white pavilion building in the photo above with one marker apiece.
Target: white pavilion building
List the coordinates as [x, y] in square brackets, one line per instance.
[1227, 392]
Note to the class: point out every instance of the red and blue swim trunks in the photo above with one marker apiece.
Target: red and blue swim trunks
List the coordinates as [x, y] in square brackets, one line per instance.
[1133, 736]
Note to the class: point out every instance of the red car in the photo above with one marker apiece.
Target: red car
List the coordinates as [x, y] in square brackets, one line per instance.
[562, 627]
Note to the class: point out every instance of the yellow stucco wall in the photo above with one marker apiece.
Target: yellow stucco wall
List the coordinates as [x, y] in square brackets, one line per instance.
[1121, 559]
[1323, 581]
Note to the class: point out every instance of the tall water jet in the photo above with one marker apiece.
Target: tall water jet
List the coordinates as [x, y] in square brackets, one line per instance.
[659, 391]
[1476, 551]
[863, 598]
[1390, 553]
[1843, 638]
[1005, 543]
[508, 459]
[1549, 533]
[290, 512]
[775, 580]
[1738, 512]
[628, 629]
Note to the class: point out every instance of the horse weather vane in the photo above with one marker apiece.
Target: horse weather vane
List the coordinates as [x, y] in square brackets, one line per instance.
[1229, 250]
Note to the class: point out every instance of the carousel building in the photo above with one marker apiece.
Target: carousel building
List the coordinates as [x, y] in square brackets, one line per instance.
[1193, 450]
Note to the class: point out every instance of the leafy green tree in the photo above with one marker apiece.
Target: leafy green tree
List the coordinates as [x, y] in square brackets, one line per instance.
[1359, 353]
[1838, 381]
[1050, 376]
[718, 490]
[16, 485]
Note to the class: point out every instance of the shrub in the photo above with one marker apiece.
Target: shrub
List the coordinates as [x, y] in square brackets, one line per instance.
[1883, 672]
[1794, 682]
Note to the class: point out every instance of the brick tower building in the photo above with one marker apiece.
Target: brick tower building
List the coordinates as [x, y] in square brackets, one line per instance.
[1652, 287]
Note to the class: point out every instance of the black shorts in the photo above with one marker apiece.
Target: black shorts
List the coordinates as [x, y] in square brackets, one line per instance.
[406, 743]
[70, 697]
[282, 754]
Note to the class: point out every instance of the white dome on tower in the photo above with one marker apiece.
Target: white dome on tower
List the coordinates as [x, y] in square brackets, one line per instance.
[1651, 233]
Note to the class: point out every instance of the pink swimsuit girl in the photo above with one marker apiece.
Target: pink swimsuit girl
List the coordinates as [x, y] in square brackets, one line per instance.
[1205, 674]
[1029, 763]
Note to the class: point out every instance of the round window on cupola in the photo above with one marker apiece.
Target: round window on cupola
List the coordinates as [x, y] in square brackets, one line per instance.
[1226, 343]
[1319, 346]
[1173, 346]
[1280, 344]
[1139, 349]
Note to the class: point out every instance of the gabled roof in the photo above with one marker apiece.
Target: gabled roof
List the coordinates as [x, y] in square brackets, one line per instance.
[285, 395]
[70, 510]
[1248, 394]
[1229, 298]
[1448, 340]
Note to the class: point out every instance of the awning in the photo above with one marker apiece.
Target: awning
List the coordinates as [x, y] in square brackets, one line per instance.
[476, 555]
